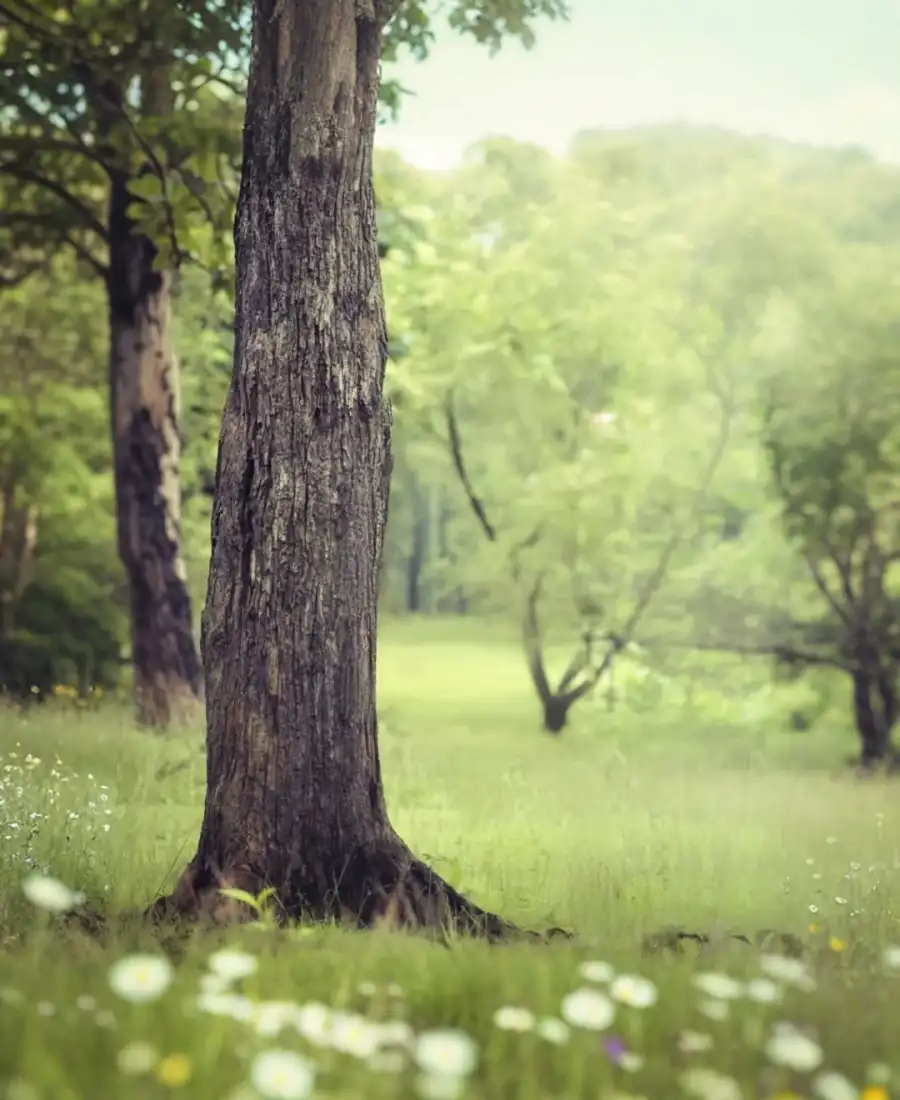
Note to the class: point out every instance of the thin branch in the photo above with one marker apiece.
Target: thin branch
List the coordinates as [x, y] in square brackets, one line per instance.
[822, 585]
[786, 653]
[9, 282]
[62, 193]
[475, 502]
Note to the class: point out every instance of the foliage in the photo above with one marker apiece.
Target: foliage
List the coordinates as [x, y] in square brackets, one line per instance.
[149, 92]
[64, 620]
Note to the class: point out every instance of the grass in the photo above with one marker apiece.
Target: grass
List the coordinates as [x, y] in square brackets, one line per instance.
[628, 823]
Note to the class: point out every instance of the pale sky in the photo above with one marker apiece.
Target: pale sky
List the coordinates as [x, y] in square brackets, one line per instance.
[823, 71]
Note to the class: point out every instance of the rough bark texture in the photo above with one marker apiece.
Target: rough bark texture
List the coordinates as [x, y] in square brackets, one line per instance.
[144, 396]
[294, 794]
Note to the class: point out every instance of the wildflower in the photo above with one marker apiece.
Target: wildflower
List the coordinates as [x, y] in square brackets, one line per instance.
[635, 992]
[787, 1046]
[763, 991]
[589, 1009]
[891, 957]
[137, 1058]
[510, 1018]
[313, 1022]
[708, 1084]
[45, 892]
[353, 1035]
[834, 1086]
[553, 1031]
[213, 983]
[874, 1092]
[174, 1070]
[445, 1053]
[694, 1042]
[840, 901]
[141, 977]
[837, 945]
[614, 1046]
[232, 1005]
[396, 1033]
[719, 986]
[282, 1075]
[231, 966]
[596, 972]
[714, 1010]
[435, 1086]
[270, 1018]
[789, 971]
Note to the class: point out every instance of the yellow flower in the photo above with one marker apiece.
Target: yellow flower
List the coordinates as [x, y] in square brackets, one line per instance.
[836, 944]
[813, 928]
[174, 1070]
[874, 1092]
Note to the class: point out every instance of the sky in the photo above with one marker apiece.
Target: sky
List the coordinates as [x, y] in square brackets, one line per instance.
[822, 71]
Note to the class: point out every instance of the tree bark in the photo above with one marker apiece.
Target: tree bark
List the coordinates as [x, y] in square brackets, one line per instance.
[294, 792]
[143, 377]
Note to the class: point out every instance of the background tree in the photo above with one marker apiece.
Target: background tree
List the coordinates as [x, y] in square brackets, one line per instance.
[115, 143]
[61, 612]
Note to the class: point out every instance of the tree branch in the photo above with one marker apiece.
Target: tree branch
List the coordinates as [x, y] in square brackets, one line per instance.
[26, 175]
[459, 465]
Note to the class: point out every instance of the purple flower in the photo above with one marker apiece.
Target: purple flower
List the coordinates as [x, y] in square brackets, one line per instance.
[615, 1048]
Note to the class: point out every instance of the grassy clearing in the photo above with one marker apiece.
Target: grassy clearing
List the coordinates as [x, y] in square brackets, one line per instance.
[625, 825]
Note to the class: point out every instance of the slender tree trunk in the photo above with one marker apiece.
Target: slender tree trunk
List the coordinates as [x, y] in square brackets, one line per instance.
[143, 378]
[294, 793]
[418, 550]
[874, 733]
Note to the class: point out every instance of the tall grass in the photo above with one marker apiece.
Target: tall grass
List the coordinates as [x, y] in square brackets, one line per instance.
[624, 825]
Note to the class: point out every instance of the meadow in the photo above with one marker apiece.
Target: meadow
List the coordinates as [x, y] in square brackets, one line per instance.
[627, 825]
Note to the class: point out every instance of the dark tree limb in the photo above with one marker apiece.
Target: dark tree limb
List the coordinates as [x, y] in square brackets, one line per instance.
[85, 215]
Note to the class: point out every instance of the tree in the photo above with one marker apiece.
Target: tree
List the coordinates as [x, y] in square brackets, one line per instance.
[294, 792]
[114, 144]
[62, 618]
[560, 398]
[831, 436]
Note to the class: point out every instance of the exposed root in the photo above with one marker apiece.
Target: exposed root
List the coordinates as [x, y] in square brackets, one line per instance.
[674, 940]
[386, 889]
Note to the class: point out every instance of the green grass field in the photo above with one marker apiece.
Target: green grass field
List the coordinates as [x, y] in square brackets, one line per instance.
[626, 824]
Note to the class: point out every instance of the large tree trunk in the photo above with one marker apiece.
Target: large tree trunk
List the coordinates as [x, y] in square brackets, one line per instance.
[143, 398]
[294, 794]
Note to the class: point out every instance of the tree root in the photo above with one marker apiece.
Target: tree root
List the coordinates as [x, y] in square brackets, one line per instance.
[382, 888]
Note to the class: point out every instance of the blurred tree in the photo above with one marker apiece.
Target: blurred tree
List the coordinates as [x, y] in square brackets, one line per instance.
[832, 437]
[117, 134]
[62, 615]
